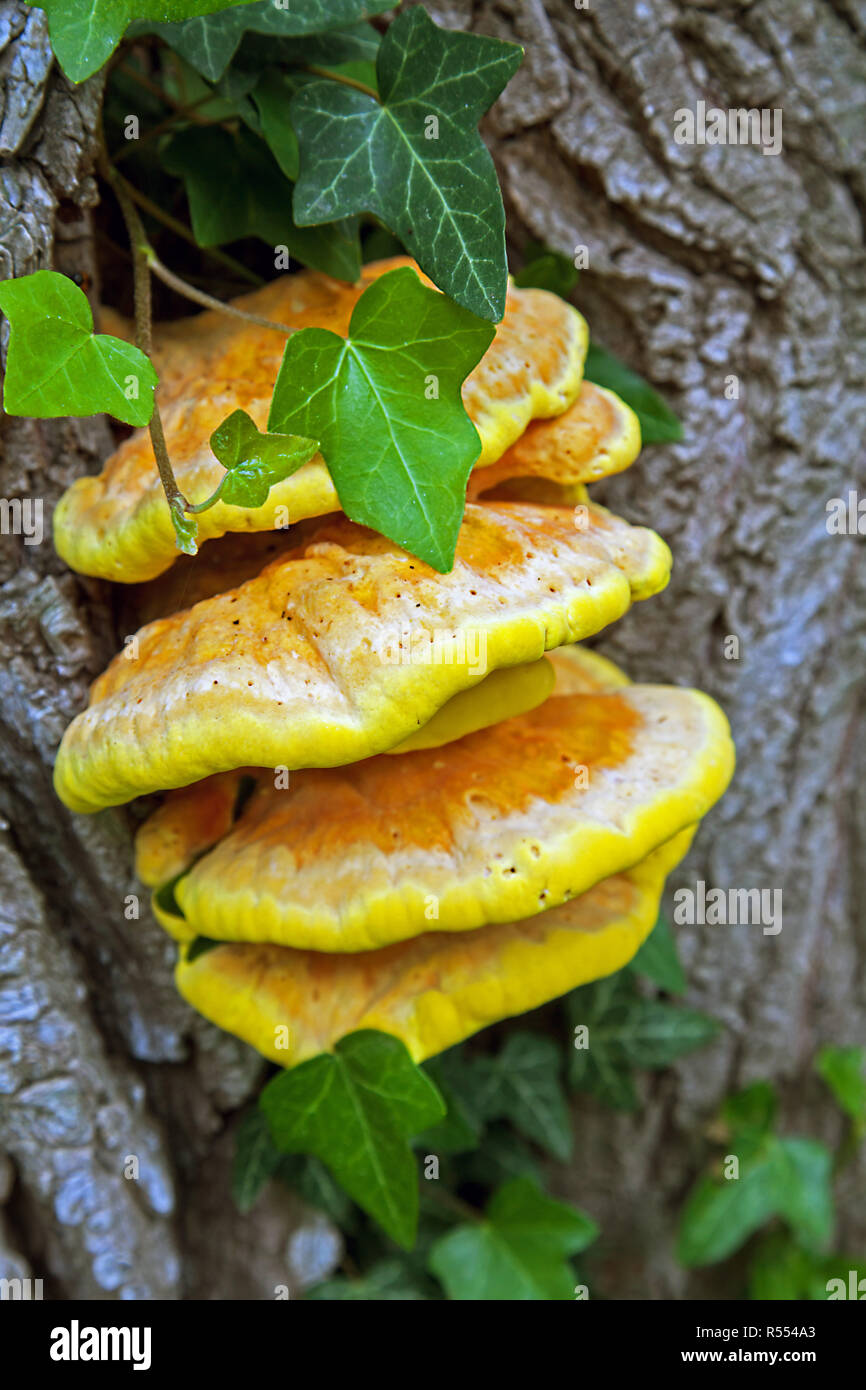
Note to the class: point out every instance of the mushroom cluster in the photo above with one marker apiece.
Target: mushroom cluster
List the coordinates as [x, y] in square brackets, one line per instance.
[392, 798]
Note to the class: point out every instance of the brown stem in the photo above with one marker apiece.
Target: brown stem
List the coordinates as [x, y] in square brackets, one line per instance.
[157, 91]
[341, 77]
[143, 321]
[176, 500]
[208, 301]
[455, 1204]
[132, 146]
[154, 210]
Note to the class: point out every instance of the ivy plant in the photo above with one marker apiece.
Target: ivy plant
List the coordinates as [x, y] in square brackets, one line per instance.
[314, 134]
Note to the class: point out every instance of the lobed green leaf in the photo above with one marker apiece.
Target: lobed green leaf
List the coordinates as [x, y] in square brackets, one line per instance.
[385, 405]
[414, 157]
[57, 365]
[354, 1109]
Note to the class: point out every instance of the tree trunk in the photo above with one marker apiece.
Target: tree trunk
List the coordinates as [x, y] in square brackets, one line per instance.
[101, 1063]
[704, 263]
[707, 263]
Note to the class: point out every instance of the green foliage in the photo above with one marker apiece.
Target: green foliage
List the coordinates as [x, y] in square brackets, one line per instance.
[57, 365]
[522, 1084]
[311, 1180]
[721, 1214]
[658, 423]
[776, 1176]
[782, 1269]
[388, 1281]
[413, 157]
[256, 1159]
[751, 1113]
[354, 1109]
[254, 461]
[209, 44]
[502, 1156]
[547, 270]
[385, 405]
[85, 33]
[518, 1251]
[236, 188]
[658, 959]
[844, 1070]
[627, 1030]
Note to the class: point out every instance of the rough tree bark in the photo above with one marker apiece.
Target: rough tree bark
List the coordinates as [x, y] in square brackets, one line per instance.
[100, 1061]
[703, 262]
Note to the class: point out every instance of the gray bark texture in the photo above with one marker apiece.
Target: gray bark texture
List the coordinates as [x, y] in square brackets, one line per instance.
[100, 1060]
[704, 262]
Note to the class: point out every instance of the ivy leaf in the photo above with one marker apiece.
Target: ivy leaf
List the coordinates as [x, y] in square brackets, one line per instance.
[460, 1131]
[752, 1111]
[781, 1269]
[415, 158]
[626, 1030]
[351, 49]
[272, 94]
[519, 1251]
[255, 1161]
[388, 1281]
[185, 529]
[721, 1214]
[653, 1034]
[658, 423]
[354, 1109]
[804, 1189]
[385, 405]
[844, 1070]
[57, 365]
[524, 1087]
[208, 44]
[658, 960]
[310, 1179]
[84, 33]
[777, 1177]
[547, 270]
[503, 1155]
[237, 189]
[255, 461]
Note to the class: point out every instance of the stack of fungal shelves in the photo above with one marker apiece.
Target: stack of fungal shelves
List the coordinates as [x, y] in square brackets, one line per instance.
[393, 798]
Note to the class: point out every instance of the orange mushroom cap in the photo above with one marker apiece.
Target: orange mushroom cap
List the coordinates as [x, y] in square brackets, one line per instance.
[435, 990]
[503, 823]
[117, 525]
[346, 647]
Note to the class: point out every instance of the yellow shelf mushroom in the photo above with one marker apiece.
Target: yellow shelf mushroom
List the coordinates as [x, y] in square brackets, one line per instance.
[501, 824]
[434, 990]
[117, 525]
[515, 840]
[346, 647]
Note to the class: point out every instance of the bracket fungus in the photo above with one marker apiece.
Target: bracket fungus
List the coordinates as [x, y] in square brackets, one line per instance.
[346, 647]
[436, 989]
[117, 525]
[501, 824]
[394, 798]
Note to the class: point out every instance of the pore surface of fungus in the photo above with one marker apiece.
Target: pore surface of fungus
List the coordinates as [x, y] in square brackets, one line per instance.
[347, 647]
[435, 990]
[117, 525]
